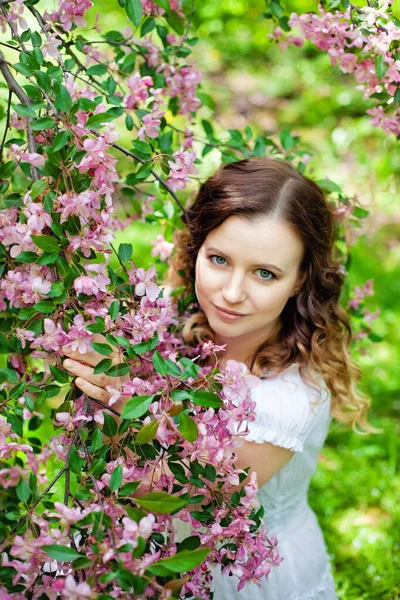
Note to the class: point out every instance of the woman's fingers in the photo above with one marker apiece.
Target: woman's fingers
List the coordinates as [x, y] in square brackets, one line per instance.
[93, 391]
[92, 357]
[79, 370]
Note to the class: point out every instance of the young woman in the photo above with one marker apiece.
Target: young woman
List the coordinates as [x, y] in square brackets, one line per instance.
[258, 252]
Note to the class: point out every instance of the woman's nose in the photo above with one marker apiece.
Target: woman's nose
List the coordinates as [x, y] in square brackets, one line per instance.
[233, 290]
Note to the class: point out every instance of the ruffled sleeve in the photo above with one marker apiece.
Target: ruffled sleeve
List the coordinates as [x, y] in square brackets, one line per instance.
[286, 410]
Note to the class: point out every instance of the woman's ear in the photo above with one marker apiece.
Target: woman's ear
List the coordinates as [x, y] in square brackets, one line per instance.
[299, 284]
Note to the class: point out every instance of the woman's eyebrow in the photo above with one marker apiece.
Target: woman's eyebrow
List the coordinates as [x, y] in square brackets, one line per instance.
[259, 266]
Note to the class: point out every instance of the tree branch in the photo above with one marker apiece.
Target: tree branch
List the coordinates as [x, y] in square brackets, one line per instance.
[14, 87]
[6, 125]
[159, 179]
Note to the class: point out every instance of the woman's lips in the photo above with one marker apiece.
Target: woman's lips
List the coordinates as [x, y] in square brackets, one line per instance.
[225, 316]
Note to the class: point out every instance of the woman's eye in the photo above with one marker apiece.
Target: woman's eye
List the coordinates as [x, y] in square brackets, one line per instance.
[265, 274]
[217, 260]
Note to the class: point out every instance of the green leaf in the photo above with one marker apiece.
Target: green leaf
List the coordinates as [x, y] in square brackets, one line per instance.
[188, 428]
[46, 243]
[148, 26]
[128, 488]
[56, 290]
[117, 340]
[118, 370]
[172, 368]
[23, 491]
[184, 561]
[58, 374]
[97, 440]
[288, 142]
[63, 100]
[59, 141]
[23, 69]
[125, 252]
[46, 307]
[114, 310]
[96, 327]
[160, 502]
[7, 169]
[27, 257]
[328, 186]
[163, 4]
[136, 407]
[26, 313]
[102, 366]
[110, 426]
[143, 347]
[210, 473]
[25, 111]
[381, 66]
[62, 553]
[36, 39]
[207, 399]
[98, 467]
[96, 70]
[159, 363]
[97, 120]
[206, 99]
[104, 349]
[38, 188]
[45, 123]
[147, 433]
[360, 213]
[142, 147]
[44, 80]
[75, 461]
[8, 375]
[83, 563]
[116, 479]
[134, 11]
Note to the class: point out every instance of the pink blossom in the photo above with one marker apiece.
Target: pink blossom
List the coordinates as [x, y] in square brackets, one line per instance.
[150, 124]
[361, 293]
[161, 248]
[181, 167]
[35, 159]
[145, 283]
[76, 591]
[138, 89]
[54, 337]
[50, 45]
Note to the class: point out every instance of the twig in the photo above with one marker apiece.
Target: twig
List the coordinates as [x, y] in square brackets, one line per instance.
[159, 179]
[14, 87]
[6, 125]
[56, 478]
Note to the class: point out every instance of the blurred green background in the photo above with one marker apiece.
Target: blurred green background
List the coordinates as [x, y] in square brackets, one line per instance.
[356, 489]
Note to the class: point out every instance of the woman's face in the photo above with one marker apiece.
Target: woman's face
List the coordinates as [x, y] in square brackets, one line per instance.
[251, 268]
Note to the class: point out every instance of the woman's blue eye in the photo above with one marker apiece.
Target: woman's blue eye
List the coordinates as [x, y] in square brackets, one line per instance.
[265, 274]
[217, 259]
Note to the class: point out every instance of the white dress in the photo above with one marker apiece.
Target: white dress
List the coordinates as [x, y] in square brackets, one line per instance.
[287, 416]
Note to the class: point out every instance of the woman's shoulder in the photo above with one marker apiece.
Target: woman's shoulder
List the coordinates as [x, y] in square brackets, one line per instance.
[287, 409]
[292, 391]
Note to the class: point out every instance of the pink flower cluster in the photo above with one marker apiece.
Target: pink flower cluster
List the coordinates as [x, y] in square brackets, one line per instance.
[162, 248]
[361, 293]
[151, 8]
[181, 167]
[353, 42]
[15, 17]
[69, 13]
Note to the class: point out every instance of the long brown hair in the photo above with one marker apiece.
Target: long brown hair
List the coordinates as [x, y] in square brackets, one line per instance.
[314, 330]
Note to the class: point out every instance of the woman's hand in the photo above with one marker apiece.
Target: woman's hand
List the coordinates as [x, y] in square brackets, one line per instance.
[82, 367]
